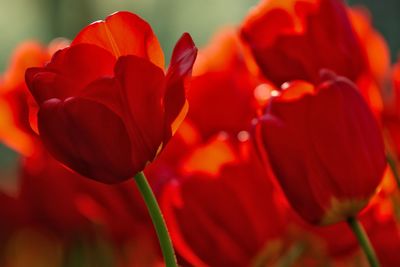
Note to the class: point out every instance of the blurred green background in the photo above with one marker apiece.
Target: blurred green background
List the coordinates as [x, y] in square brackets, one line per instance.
[46, 19]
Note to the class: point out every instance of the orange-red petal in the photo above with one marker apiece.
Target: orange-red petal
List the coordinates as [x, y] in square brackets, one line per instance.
[123, 33]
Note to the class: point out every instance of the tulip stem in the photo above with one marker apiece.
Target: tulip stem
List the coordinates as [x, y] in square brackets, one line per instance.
[158, 220]
[364, 241]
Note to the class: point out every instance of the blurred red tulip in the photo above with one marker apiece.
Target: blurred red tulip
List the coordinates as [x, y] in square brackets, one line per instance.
[377, 50]
[371, 83]
[221, 95]
[325, 148]
[295, 39]
[167, 164]
[15, 126]
[222, 211]
[75, 209]
[106, 106]
[65, 202]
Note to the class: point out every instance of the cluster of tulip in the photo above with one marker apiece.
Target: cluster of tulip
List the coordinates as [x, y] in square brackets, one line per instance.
[268, 148]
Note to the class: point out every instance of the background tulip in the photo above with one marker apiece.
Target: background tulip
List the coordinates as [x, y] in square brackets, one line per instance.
[223, 74]
[294, 40]
[17, 105]
[325, 148]
[239, 223]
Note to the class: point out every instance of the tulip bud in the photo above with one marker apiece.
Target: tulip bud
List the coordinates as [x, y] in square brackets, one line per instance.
[325, 148]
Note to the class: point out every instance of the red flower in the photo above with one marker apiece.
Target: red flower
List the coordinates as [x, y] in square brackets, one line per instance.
[106, 106]
[222, 211]
[15, 122]
[325, 148]
[221, 95]
[377, 50]
[295, 39]
[372, 81]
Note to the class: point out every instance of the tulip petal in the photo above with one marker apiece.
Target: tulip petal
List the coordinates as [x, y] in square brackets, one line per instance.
[208, 92]
[286, 139]
[46, 85]
[69, 72]
[180, 69]
[354, 130]
[196, 220]
[106, 91]
[70, 130]
[142, 85]
[123, 33]
[82, 63]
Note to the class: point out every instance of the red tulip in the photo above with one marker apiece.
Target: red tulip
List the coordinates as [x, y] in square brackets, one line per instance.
[325, 148]
[222, 211]
[106, 106]
[16, 120]
[377, 50]
[372, 81]
[223, 82]
[295, 39]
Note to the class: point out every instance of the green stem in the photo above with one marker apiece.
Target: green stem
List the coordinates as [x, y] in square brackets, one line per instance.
[292, 255]
[158, 220]
[363, 240]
